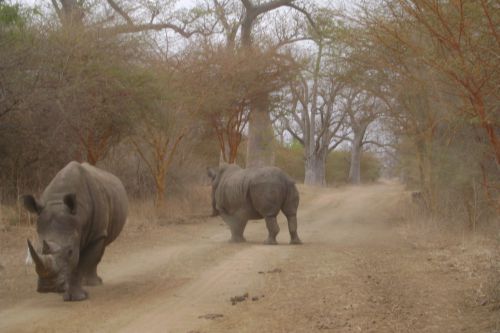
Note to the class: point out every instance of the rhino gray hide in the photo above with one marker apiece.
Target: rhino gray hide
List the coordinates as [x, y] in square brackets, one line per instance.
[239, 195]
[81, 211]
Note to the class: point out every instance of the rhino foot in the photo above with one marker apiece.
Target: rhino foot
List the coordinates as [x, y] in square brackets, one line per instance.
[74, 295]
[92, 281]
[295, 241]
[270, 241]
[237, 239]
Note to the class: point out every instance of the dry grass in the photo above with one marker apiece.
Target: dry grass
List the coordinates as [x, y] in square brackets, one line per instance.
[473, 254]
[191, 205]
[15, 215]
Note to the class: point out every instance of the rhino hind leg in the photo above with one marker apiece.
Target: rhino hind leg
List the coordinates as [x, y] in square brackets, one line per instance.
[237, 228]
[292, 227]
[273, 229]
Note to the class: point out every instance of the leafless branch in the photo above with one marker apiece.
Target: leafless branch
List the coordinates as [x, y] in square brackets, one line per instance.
[120, 11]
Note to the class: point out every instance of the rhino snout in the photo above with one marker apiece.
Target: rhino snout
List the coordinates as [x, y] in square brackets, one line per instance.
[51, 286]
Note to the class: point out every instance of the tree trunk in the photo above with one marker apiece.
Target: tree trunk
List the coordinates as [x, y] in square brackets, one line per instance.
[70, 12]
[315, 168]
[260, 149]
[355, 168]
[160, 189]
[260, 146]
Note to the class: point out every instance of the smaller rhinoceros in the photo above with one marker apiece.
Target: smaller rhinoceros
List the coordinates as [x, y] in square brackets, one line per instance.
[81, 211]
[239, 195]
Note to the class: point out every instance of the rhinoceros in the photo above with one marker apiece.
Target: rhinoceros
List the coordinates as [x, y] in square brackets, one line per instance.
[239, 195]
[81, 211]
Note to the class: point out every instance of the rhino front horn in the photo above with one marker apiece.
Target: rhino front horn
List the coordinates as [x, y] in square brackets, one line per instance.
[42, 262]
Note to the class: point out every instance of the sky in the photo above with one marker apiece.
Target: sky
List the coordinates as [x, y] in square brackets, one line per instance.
[182, 3]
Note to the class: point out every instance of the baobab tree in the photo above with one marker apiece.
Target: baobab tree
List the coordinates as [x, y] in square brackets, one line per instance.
[315, 118]
[260, 136]
[362, 109]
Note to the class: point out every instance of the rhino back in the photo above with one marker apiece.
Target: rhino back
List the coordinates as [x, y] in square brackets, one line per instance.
[101, 200]
[69, 179]
[109, 200]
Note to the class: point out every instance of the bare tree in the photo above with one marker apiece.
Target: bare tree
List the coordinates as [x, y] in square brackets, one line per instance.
[127, 17]
[362, 110]
[315, 119]
[260, 136]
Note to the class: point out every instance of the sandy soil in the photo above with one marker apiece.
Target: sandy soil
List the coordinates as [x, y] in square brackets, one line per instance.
[361, 269]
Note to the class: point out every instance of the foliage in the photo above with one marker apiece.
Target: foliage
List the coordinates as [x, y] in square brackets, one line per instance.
[440, 82]
[157, 92]
[291, 159]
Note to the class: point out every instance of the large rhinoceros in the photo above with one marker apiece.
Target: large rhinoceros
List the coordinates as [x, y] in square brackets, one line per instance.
[239, 195]
[81, 211]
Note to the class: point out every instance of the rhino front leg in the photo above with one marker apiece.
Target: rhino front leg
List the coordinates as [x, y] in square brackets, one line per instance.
[292, 227]
[74, 291]
[91, 278]
[89, 260]
[273, 229]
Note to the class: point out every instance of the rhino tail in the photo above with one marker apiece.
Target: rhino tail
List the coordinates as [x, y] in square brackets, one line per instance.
[291, 199]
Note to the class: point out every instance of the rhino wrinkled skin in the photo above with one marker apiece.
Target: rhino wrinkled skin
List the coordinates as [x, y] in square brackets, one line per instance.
[239, 195]
[81, 211]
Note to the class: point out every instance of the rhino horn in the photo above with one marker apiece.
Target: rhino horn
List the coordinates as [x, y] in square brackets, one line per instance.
[49, 247]
[43, 262]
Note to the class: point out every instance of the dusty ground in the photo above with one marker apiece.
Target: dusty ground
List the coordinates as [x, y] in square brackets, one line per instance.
[361, 269]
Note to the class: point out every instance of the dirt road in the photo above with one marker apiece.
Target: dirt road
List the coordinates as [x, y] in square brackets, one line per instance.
[359, 270]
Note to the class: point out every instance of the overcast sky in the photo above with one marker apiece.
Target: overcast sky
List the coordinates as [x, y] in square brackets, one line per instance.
[182, 3]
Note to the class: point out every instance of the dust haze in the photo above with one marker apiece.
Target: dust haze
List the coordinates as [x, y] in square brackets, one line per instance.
[359, 269]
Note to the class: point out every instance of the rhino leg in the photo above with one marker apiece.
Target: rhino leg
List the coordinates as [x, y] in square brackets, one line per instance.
[292, 227]
[237, 227]
[273, 229]
[75, 291]
[89, 260]
[91, 278]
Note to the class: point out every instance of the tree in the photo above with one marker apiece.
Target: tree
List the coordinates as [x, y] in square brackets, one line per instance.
[129, 17]
[260, 135]
[440, 96]
[362, 110]
[464, 31]
[315, 120]
[224, 83]
[161, 126]
[94, 90]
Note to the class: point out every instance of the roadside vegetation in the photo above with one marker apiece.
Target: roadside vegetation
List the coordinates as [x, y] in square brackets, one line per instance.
[157, 92]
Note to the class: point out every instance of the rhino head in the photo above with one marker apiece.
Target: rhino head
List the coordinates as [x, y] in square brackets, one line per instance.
[57, 227]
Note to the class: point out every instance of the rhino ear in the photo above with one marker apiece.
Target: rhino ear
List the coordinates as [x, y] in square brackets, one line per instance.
[211, 173]
[31, 204]
[70, 202]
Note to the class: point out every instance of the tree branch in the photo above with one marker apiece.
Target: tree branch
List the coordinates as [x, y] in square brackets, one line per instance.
[58, 10]
[295, 136]
[306, 14]
[120, 11]
[127, 28]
